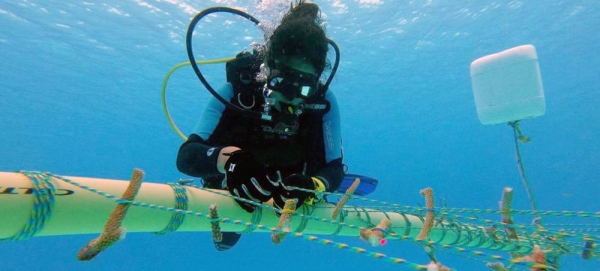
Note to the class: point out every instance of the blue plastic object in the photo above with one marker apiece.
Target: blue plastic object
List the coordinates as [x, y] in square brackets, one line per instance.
[367, 184]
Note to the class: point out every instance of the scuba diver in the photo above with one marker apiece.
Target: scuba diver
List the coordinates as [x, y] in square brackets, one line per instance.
[301, 146]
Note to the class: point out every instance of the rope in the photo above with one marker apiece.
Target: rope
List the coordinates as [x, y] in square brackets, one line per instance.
[342, 246]
[41, 210]
[534, 234]
[181, 203]
[267, 207]
[394, 207]
[341, 224]
[340, 227]
[256, 217]
[463, 241]
[304, 220]
[362, 251]
[518, 136]
[459, 241]
[481, 254]
[445, 211]
[493, 223]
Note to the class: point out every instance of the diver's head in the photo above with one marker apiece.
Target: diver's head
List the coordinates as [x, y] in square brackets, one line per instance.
[297, 55]
[292, 81]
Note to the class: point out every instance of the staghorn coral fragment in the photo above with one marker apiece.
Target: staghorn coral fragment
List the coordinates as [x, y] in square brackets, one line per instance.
[113, 231]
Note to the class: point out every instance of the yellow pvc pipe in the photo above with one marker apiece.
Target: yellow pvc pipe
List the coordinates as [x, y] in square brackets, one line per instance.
[79, 211]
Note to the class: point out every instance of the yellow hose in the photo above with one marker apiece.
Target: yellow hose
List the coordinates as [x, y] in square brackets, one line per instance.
[166, 81]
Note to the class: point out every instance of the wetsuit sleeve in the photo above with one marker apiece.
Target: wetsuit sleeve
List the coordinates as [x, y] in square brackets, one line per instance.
[196, 157]
[333, 171]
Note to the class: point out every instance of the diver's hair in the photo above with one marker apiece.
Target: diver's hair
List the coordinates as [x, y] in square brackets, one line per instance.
[300, 35]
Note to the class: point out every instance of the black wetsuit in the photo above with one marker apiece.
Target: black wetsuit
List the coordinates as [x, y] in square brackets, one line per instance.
[315, 150]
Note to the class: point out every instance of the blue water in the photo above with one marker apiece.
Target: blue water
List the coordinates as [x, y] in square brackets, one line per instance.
[80, 96]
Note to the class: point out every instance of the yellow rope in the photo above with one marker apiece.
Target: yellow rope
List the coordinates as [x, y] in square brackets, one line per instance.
[112, 229]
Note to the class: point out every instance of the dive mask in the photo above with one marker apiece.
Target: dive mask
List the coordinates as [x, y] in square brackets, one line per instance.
[293, 83]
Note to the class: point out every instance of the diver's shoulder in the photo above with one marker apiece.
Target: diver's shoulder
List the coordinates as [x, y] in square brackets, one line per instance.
[225, 89]
[330, 96]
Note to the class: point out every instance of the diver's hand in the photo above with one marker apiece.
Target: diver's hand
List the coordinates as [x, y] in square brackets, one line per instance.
[248, 179]
[285, 191]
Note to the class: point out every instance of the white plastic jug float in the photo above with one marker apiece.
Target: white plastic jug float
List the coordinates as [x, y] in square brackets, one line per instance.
[508, 86]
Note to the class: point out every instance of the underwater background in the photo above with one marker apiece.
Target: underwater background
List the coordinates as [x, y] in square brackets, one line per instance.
[80, 96]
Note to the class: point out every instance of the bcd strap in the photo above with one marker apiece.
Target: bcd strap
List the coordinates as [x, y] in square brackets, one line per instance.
[241, 73]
